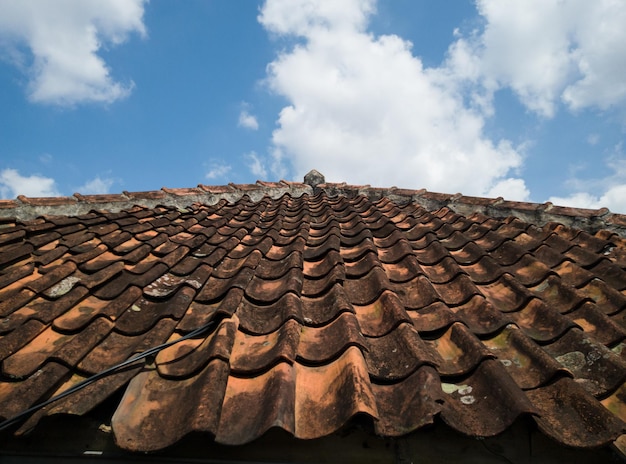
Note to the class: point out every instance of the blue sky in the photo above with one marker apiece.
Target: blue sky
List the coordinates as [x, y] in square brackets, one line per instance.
[523, 99]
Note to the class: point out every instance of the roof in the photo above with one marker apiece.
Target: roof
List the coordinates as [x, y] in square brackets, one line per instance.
[306, 306]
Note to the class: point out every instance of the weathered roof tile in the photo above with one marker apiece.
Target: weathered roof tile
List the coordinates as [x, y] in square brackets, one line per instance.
[400, 308]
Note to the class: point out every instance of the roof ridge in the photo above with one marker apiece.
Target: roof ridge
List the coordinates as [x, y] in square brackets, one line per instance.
[26, 208]
[591, 220]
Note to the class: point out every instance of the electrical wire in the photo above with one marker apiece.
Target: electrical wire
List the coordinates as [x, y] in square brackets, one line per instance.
[79, 386]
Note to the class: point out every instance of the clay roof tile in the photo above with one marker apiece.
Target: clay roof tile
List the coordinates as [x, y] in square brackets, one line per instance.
[331, 303]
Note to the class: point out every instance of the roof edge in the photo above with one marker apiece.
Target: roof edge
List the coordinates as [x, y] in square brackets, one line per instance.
[27, 208]
[591, 220]
[540, 214]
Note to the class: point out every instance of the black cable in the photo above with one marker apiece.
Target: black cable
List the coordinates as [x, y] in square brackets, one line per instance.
[79, 386]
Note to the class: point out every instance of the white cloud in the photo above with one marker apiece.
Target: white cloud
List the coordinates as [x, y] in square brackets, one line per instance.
[46, 158]
[614, 198]
[301, 17]
[510, 189]
[549, 51]
[593, 139]
[13, 184]
[64, 37]
[96, 186]
[256, 165]
[363, 109]
[217, 170]
[248, 120]
[610, 191]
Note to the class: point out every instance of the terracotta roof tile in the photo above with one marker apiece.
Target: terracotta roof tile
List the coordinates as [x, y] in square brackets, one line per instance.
[525, 361]
[589, 426]
[471, 404]
[332, 304]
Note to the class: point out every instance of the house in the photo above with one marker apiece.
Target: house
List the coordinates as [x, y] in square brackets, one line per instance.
[312, 322]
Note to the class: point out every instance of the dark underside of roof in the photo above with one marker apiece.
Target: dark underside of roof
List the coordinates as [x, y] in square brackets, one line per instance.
[320, 312]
